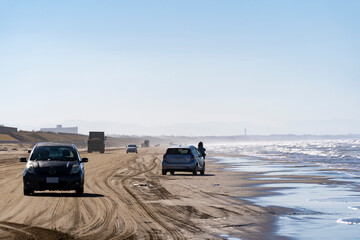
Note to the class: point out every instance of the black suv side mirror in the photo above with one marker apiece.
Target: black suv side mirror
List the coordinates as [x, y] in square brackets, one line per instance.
[84, 160]
[23, 159]
[29, 151]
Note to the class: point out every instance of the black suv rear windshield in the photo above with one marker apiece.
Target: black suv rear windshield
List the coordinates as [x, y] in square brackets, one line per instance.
[178, 151]
[59, 153]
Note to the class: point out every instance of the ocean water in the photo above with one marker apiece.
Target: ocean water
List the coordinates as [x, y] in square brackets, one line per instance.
[325, 211]
[333, 154]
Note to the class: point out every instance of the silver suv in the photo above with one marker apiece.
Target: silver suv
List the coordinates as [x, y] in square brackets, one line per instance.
[184, 159]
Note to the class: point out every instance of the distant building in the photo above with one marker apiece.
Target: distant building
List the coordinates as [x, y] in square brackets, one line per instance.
[60, 129]
[6, 130]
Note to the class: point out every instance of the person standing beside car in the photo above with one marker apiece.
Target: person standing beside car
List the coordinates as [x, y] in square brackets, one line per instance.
[202, 149]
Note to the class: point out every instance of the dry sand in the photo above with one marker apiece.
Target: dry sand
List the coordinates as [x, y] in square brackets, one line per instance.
[126, 197]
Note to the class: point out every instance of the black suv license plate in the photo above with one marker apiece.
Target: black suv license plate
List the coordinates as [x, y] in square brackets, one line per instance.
[52, 180]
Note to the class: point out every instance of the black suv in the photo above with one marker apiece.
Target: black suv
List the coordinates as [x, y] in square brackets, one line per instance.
[54, 166]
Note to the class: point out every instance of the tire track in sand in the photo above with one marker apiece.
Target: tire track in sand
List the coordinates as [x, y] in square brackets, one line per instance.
[25, 232]
[176, 234]
[16, 231]
[142, 222]
[115, 221]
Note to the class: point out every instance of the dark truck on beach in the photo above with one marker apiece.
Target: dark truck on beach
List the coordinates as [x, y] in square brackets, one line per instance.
[96, 142]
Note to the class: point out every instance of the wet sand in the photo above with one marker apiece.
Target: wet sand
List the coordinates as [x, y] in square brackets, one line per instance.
[126, 197]
[321, 203]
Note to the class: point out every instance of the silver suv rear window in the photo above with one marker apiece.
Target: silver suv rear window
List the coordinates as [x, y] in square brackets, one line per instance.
[178, 151]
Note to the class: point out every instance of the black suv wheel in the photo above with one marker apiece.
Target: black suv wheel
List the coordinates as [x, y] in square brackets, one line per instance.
[27, 192]
[80, 191]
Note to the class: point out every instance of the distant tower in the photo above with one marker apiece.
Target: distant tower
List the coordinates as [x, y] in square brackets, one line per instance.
[245, 131]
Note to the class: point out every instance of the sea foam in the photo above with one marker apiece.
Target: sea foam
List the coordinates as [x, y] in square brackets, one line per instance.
[355, 207]
[350, 221]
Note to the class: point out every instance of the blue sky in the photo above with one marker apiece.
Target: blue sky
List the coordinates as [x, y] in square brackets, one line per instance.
[270, 63]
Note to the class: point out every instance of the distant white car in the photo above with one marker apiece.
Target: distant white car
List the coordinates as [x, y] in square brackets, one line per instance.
[131, 148]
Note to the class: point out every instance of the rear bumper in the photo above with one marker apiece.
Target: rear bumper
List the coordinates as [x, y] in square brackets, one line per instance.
[185, 167]
[65, 182]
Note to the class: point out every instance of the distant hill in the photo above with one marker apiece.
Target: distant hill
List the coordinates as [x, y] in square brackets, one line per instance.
[32, 137]
[35, 137]
[7, 137]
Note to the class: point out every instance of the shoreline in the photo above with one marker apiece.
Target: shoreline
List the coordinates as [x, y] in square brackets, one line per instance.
[311, 195]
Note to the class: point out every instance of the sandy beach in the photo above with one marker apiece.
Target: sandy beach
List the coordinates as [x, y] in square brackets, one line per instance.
[126, 197]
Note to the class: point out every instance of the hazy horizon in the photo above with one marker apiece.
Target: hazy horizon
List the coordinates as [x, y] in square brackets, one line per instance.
[202, 129]
[183, 68]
